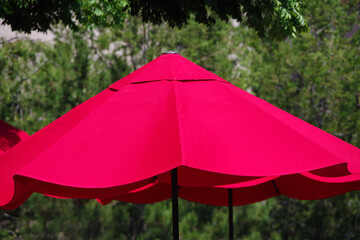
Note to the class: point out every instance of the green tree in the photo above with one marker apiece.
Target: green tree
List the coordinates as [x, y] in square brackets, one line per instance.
[276, 19]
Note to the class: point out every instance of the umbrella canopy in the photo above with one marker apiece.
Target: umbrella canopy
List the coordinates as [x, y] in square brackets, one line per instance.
[10, 136]
[304, 186]
[169, 114]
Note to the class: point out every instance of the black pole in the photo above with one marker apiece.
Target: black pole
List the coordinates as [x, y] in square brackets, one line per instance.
[175, 214]
[231, 221]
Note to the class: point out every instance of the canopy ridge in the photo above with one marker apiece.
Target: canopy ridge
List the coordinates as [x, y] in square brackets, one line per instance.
[177, 103]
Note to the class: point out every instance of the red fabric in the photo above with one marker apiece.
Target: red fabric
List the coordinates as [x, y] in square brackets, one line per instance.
[10, 136]
[171, 113]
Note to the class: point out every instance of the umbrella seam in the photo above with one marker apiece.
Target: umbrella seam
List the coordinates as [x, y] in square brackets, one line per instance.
[117, 87]
[178, 122]
[179, 80]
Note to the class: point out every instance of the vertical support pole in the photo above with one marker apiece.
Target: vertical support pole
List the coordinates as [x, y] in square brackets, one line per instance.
[175, 213]
[231, 221]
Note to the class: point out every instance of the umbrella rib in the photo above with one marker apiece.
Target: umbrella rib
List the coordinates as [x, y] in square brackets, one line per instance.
[276, 186]
[175, 205]
[178, 121]
[231, 218]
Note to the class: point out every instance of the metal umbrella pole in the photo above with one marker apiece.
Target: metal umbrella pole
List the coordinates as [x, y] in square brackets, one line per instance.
[231, 220]
[175, 211]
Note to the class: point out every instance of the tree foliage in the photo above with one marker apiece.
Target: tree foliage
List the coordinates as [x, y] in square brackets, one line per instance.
[274, 19]
[40, 15]
[270, 18]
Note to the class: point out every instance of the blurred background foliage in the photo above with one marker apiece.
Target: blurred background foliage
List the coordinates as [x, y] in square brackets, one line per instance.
[316, 77]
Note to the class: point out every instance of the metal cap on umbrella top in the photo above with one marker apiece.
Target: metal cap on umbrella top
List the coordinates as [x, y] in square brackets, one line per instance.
[170, 52]
[171, 114]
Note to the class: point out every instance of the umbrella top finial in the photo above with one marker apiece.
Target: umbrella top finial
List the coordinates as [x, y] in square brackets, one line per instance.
[170, 52]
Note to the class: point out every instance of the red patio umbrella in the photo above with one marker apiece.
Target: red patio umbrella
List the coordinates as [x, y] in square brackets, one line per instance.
[172, 114]
[10, 136]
